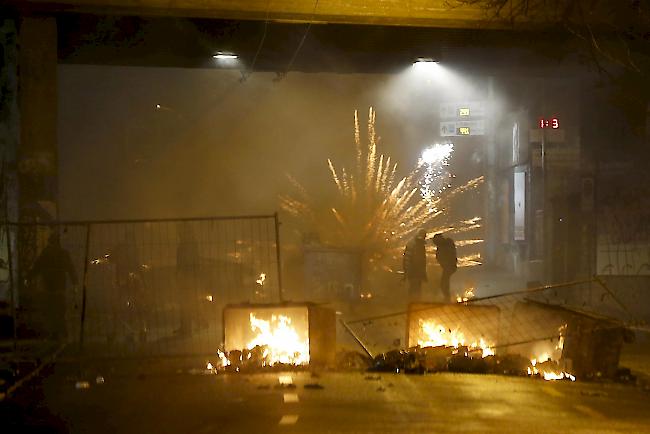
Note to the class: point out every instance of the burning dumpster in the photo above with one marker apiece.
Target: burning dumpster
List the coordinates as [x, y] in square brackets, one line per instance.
[259, 335]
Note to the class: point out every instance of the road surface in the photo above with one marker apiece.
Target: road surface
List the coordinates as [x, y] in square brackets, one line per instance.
[336, 402]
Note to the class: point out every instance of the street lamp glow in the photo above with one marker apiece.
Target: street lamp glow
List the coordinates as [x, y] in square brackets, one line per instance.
[224, 56]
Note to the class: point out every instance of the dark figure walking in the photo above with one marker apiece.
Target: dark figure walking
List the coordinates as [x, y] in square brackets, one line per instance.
[53, 265]
[446, 256]
[415, 264]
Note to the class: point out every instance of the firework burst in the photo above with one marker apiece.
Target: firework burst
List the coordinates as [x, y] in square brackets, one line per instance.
[436, 177]
[374, 211]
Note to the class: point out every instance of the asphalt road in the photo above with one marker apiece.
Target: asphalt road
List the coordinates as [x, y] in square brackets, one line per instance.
[350, 402]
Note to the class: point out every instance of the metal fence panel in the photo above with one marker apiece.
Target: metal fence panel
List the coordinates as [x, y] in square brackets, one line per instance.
[143, 288]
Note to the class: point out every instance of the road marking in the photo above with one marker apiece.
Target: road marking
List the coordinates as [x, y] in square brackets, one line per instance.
[589, 411]
[552, 391]
[285, 379]
[290, 397]
[288, 419]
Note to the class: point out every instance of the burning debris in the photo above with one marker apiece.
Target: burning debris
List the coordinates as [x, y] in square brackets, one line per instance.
[467, 295]
[420, 360]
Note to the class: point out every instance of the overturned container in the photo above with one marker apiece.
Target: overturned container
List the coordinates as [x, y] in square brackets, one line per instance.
[586, 344]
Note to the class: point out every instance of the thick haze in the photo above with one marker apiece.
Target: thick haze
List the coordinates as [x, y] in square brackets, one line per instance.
[217, 146]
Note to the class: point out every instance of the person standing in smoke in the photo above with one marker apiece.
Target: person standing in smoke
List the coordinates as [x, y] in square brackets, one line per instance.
[446, 256]
[415, 263]
[53, 265]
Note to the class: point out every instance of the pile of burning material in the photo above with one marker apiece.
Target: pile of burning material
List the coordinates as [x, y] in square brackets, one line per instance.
[438, 325]
[463, 360]
[407, 361]
[277, 336]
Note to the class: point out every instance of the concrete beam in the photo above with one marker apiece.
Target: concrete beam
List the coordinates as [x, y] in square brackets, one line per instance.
[424, 13]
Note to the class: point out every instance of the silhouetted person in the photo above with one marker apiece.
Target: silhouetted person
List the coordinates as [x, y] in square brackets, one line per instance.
[187, 260]
[446, 256]
[415, 263]
[53, 265]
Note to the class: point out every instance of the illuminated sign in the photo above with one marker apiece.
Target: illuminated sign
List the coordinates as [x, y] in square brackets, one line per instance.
[553, 123]
[463, 128]
[463, 110]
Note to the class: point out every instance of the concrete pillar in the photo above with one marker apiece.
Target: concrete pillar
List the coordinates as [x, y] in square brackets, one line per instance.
[37, 153]
[9, 138]
[36, 156]
[491, 223]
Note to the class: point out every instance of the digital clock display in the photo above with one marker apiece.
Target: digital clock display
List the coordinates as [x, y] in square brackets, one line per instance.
[553, 123]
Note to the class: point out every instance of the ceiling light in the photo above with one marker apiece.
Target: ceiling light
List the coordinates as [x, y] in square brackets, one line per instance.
[425, 60]
[224, 56]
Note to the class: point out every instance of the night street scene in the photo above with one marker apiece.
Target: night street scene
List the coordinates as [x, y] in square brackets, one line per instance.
[318, 216]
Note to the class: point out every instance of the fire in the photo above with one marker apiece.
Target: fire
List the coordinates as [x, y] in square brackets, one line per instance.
[223, 359]
[549, 370]
[280, 341]
[103, 260]
[548, 376]
[469, 293]
[435, 335]
[261, 279]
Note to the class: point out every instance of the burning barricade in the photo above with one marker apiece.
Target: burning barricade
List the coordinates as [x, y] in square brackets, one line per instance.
[536, 339]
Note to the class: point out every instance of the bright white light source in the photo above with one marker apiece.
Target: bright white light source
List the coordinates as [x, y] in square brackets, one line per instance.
[224, 56]
[437, 177]
[438, 153]
[158, 106]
